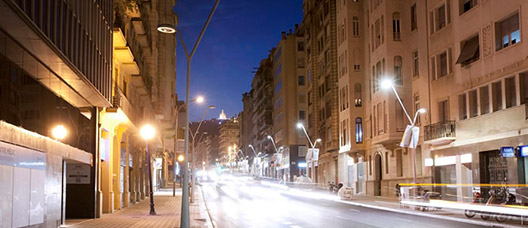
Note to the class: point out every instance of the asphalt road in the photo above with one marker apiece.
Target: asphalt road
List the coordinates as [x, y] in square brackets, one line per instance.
[235, 203]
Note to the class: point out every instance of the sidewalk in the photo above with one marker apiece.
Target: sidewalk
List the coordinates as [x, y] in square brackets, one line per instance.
[168, 209]
[393, 204]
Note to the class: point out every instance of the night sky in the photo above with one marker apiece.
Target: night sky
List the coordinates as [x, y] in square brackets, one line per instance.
[240, 34]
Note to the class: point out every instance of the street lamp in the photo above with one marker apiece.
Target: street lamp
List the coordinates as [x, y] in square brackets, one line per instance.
[147, 132]
[198, 99]
[318, 140]
[412, 133]
[59, 132]
[185, 221]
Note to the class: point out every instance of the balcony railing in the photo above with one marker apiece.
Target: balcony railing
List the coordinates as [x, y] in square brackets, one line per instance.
[446, 129]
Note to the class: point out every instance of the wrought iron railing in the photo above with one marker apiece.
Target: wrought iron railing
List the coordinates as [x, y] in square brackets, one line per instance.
[446, 129]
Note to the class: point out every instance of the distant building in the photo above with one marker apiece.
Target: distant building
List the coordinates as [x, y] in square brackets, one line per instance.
[222, 115]
[228, 143]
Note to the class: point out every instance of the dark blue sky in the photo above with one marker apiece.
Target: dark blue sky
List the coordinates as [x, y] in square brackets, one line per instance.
[240, 34]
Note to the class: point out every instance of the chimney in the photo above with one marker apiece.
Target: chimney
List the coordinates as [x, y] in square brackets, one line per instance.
[283, 35]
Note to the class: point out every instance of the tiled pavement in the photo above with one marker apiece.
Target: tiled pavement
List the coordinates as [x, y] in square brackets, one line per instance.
[167, 214]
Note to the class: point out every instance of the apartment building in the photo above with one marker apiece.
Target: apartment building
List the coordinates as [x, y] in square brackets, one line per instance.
[478, 93]
[319, 25]
[352, 75]
[56, 70]
[289, 104]
[461, 60]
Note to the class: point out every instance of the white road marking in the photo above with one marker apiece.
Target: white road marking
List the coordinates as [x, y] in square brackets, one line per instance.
[354, 210]
[406, 220]
[345, 218]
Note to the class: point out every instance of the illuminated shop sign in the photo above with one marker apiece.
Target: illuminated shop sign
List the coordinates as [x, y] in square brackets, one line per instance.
[523, 151]
[508, 152]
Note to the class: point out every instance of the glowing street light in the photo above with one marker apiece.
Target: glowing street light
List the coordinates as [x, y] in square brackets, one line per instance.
[200, 99]
[147, 132]
[181, 158]
[59, 132]
[412, 133]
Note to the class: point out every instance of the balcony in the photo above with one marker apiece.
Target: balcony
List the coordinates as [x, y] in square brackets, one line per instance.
[440, 133]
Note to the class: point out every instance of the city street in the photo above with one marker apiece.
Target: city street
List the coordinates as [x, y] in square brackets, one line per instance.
[236, 203]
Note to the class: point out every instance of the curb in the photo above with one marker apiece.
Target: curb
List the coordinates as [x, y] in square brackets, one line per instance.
[210, 222]
[480, 223]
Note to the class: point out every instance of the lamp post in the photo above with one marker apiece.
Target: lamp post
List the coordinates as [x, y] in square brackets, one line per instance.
[199, 100]
[254, 158]
[412, 133]
[312, 144]
[169, 29]
[147, 132]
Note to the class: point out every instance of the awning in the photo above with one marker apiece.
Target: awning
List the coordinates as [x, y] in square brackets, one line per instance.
[469, 51]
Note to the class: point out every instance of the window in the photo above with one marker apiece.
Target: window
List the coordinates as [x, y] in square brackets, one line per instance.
[496, 95]
[466, 5]
[417, 107]
[473, 106]
[507, 32]
[416, 64]
[484, 100]
[356, 57]
[355, 26]
[510, 92]
[344, 98]
[414, 18]
[358, 101]
[300, 80]
[278, 87]
[470, 51]
[400, 125]
[462, 110]
[344, 132]
[396, 35]
[398, 77]
[300, 46]
[441, 64]
[439, 17]
[443, 111]
[302, 115]
[359, 130]
[523, 84]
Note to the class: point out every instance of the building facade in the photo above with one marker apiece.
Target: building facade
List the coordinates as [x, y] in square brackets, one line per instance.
[289, 104]
[458, 59]
[228, 142]
[319, 25]
[351, 34]
[56, 70]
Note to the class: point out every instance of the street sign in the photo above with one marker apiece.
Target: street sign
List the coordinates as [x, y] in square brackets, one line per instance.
[77, 174]
[314, 152]
[508, 152]
[410, 137]
[523, 151]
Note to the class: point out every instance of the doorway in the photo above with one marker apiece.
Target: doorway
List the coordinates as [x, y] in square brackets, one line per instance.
[378, 169]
